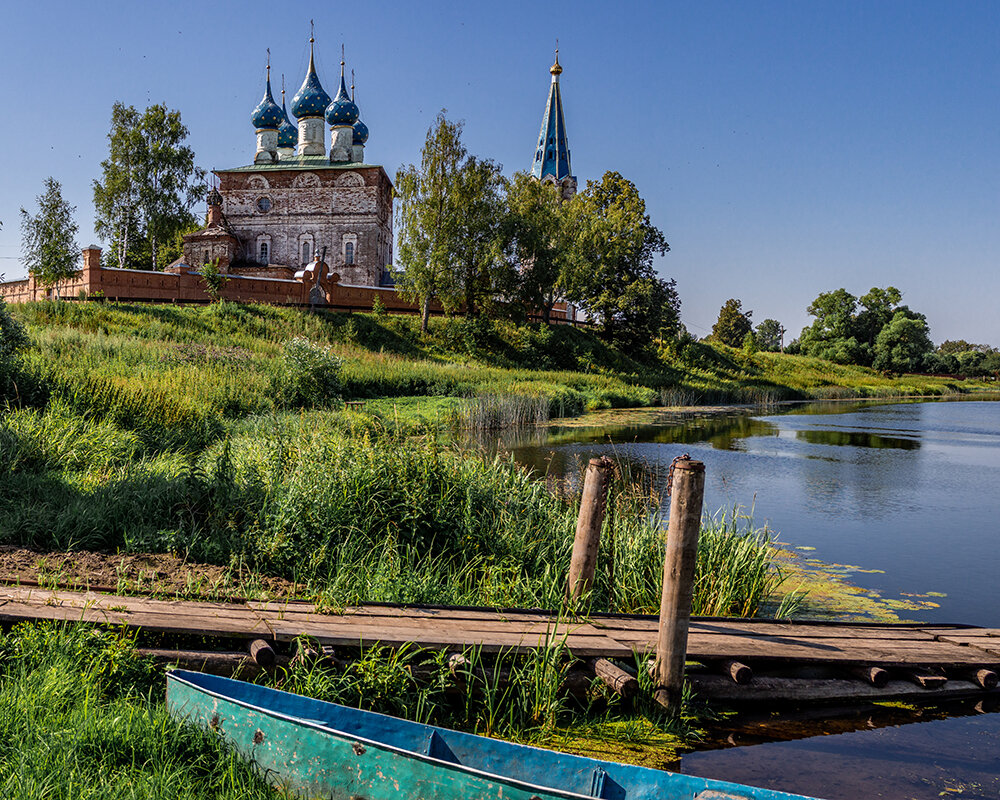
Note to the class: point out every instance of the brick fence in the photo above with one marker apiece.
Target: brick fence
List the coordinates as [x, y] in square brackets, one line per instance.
[184, 284]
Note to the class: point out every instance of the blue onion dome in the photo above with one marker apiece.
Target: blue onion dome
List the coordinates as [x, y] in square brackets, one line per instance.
[267, 115]
[310, 100]
[342, 110]
[360, 132]
[288, 134]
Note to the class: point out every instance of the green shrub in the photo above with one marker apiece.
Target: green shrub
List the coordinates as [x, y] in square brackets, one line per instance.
[311, 375]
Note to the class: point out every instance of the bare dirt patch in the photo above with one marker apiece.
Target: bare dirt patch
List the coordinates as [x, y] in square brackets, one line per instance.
[157, 574]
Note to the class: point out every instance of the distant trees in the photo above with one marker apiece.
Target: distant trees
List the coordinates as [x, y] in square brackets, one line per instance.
[769, 334]
[148, 186]
[733, 324]
[873, 330]
[48, 238]
[474, 241]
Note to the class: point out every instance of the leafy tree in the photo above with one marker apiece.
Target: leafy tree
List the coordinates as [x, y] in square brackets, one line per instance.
[878, 307]
[769, 335]
[543, 238]
[733, 323]
[480, 263]
[48, 238]
[750, 344]
[427, 219]
[903, 343]
[213, 278]
[148, 185]
[612, 275]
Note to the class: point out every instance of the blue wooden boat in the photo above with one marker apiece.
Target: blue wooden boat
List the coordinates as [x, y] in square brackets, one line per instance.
[317, 749]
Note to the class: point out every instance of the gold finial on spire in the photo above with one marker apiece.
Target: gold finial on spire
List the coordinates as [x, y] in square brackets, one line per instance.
[282, 89]
[352, 85]
[269, 65]
[341, 60]
[555, 69]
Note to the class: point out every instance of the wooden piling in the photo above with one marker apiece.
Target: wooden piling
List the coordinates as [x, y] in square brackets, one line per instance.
[262, 653]
[588, 528]
[875, 676]
[738, 671]
[687, 493]
[985, 678]
[614, 677]
[925, 678]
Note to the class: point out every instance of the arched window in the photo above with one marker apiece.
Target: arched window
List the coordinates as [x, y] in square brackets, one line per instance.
[263, 253]
[349, 252]
[305, 252]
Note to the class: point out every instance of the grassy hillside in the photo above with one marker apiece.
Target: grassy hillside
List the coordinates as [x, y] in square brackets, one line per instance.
[165, 371]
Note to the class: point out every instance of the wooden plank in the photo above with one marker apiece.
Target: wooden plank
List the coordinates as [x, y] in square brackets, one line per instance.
[161, 615]
[427, 636]
[709, 646]
[779, 629]
[803, 690]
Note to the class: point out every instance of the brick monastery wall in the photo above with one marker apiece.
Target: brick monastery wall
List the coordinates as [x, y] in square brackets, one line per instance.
[186, 286]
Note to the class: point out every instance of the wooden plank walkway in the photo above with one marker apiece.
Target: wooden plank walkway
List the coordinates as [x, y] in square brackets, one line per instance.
[601, 635]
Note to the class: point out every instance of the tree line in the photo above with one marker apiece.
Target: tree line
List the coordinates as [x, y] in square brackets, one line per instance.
[481, 244]
[874, 330]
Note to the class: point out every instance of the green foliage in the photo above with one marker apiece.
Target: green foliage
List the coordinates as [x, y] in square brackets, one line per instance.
[543, 237]
[902, 343]
[81, 718]
[214, 279]
[612, 274]
[769, 335]
[311, 374]
[845, 335]
[733, 324]
[48, 238]
[13, 341]
[750, 343]
[426, 218]
[148, 185]
[378, 308]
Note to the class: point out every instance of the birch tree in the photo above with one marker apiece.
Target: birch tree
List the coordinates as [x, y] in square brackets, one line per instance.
[48, 238]
[148, 186]
[427, 219]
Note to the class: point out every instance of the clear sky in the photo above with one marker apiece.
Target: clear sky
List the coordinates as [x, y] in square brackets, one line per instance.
[784, 148]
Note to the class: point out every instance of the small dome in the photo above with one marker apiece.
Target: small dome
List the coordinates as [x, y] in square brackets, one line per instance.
[214, 198]
[267, 115]
[288, 134]
[310, 100]
[342, 110]
[360, 132]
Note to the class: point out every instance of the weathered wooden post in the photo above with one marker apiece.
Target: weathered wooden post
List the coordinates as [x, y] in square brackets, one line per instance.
[588, 528]
[687, 491]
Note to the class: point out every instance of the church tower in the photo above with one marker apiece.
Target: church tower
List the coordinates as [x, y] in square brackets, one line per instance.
[552, 153]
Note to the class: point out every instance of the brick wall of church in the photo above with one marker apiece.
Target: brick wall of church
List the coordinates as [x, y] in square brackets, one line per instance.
[322, 208]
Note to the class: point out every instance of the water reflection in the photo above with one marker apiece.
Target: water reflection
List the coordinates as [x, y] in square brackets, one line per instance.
[842, 438]
[944, 757]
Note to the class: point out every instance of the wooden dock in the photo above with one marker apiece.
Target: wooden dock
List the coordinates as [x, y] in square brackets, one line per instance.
[793, 660]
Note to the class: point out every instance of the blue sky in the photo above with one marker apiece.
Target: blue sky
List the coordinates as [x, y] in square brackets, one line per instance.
[784, 148]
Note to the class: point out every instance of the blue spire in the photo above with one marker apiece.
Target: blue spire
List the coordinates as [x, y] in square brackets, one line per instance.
[552, 152]
[310, 100]
[267, 115]
[342, 110]
[288, 134]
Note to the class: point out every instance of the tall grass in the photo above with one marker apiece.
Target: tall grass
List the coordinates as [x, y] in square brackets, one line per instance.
[81, 719]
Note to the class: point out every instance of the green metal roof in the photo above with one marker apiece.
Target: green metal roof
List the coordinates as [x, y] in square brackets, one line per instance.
[309, 163]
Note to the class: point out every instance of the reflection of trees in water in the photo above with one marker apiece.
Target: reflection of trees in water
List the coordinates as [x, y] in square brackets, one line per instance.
[875, 441]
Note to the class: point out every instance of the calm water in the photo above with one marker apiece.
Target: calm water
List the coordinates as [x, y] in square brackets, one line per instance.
[910, 489]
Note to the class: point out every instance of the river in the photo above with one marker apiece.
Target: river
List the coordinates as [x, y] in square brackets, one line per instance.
[904, 499]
